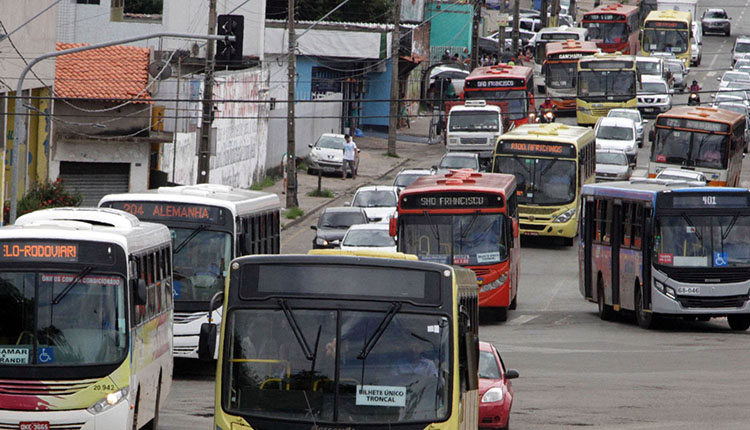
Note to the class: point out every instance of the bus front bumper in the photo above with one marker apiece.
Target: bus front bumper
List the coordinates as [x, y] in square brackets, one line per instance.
[546, 225]
[676, 298]
[187, 328]
[116, 417]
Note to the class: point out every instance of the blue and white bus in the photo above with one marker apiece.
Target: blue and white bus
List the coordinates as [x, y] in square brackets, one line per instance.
[666, 248]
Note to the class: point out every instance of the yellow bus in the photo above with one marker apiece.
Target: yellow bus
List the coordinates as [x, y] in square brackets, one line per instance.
[605, 81]
[667, 31]
[551, 163]
[86, 338]
[342, 341]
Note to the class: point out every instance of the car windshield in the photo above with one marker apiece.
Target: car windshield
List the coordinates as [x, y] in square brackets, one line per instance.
[459, 120]
[716, 14]
[341, 219]
[635, 116]
[675, 67]
[467, 239]
[201, 260]
[649, 67]
[488, 367]
[741, 63]
[674, 41]
[689, 240]
[734, 107]
[330, 142]
[616, 158]
[742, 47]
[735, 76]
[608, 32]
[606, 85]
[48, 319]
[614, 132]
[405, 179]
[318, 373]
[540, 181]
[657, 88]
[690, 148]
[368, 238]
[374, 198]
[449, 162]
[516, 100]
[561, 75]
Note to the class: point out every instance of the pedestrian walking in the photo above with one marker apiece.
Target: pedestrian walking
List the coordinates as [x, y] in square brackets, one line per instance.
[350, 153]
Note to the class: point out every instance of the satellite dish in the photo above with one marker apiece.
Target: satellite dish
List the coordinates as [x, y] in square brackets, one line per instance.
[156, 67]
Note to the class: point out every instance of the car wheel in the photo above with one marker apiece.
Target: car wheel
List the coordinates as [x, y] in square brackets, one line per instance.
[605, 311]
[739, 322]
[646, 320]
[310, 171]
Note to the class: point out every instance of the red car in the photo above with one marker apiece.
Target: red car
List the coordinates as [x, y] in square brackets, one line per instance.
[495, 389]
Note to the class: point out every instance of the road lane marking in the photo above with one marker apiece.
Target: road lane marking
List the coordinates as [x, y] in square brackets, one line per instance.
[710, 74]
[523, 319]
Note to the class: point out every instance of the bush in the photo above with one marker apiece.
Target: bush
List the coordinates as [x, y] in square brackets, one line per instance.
[268, 181]
[325, 192]
[44, 195]
[294, 212]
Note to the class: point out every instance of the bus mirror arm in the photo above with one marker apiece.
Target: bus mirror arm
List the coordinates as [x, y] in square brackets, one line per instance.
[216, 301]
[207, 341]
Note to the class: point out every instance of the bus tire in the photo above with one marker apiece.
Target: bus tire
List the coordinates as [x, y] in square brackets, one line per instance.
[501, 314]
[739, 322]
[136, 407]
[645, 320]
[514, 303]
[606, 313]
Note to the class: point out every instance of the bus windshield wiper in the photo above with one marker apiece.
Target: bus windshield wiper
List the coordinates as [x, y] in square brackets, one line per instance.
[434, 228]
[471, 224]
[729, 228]
[690, 223]
[190, 237]
[309, 353]
[76, 279]
[370, 344]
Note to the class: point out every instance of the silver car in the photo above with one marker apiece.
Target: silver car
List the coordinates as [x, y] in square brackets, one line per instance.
[612, 165]
[633, 114]
[716, 21]
[679, 74]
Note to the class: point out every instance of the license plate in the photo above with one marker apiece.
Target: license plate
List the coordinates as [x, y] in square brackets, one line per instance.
[649, 109]
[329, 169]
[531, 233]
[689, 290]
[39, 425]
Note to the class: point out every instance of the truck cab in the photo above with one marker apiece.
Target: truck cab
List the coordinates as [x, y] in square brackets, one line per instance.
[474, 127]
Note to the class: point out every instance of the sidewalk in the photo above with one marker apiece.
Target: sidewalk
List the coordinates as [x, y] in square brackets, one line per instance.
[375, 168]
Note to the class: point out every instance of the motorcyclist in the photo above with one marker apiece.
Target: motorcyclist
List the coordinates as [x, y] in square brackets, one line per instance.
[694, 87]
[695, 97]
[545, 107]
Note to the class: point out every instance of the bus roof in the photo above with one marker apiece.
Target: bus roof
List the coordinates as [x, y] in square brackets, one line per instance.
[364, 253]
[612, 9]
[668, 15]
[647, 189]
[463, 180]
[555, 132]
[610, 56]
[89, 224]
[236, 200]
[582, 46]
[703, 113]
[579, 31]
[500, 71]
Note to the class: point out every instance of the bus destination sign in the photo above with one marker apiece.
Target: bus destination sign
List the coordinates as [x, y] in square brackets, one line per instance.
[603, 17]
[494, 83]
[162, 211]
[452, 200]
[708, 201]
[667, 24]
[537, 148]
[38, 251]
[567, 56]
[693, 124]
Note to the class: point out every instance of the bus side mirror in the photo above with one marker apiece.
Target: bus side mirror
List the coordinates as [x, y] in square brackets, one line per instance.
[207, 341]
[392, 227]
[140, 294]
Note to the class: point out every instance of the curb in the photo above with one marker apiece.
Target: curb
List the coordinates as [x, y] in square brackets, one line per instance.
[328, 202]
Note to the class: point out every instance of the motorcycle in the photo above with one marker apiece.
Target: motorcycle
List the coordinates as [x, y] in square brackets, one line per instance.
[694, 99]
[548, 117]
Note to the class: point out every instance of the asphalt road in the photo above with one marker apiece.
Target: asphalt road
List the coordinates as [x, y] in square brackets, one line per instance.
[577, 370]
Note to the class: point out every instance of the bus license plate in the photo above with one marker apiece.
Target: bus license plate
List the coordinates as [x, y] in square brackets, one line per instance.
[689, 290]
[34, 426]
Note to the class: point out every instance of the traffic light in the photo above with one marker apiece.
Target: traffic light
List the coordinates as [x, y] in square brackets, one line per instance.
[230, 52]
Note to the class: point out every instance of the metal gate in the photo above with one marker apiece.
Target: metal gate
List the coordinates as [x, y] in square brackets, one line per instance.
[95, 180]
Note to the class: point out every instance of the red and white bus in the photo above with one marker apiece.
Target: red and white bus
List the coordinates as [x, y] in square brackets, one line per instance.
[502, 84]
[468, 219]
[614, 28]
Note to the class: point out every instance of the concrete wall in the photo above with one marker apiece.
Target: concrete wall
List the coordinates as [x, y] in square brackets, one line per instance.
[128, 119]
[181, 166]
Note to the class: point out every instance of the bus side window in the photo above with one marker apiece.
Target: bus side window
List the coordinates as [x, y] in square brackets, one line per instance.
[255, 234]
[637, 225]
[627, 220]
[276, 233]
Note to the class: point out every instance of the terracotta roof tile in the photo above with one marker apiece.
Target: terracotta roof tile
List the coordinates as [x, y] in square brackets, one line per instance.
[113, 73]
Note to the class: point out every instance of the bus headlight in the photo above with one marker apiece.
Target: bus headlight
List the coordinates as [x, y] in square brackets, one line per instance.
[667, 291]
[565, 216]
[110, 400]
[497, 283]
[493, 395]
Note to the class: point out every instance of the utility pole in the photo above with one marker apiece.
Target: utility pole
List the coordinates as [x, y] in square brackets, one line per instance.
[502, 19]
[554, 12]
[291, 150]
[516, 31]
[475, 34]
[395, 98]
[572, 10]
[204, 147]
[544, 16]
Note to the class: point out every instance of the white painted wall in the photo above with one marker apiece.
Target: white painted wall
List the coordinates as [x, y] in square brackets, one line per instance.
[181, 166]
[331, 43]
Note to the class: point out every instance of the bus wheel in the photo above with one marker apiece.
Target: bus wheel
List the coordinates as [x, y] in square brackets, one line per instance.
[739, 322]
[514, 303]
[644, 319]
[501, 314]
[606, 313]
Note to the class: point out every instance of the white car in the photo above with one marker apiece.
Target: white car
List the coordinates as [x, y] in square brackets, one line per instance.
[373, 237]
[696, 44]
[327, 154]
[406, 177]
[617, 133]
[456, 75]
[654, 95]
[635, 115]
[690, 176]
[612, 165]
[378, 201]
[745, 62]
[732, 76]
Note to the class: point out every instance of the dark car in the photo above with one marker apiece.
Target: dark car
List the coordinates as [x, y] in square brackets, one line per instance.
[716, 21]
[333, 224]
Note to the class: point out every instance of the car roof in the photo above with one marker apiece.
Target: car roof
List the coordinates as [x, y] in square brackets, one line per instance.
[652, 78]
[617, 121]
[378, 188]
[648, 59]
[743, 39]
[485, 346]
[460, 154]
[715, 9]
[343, 209]
[440, 69]
[370, 226]
[415, 172]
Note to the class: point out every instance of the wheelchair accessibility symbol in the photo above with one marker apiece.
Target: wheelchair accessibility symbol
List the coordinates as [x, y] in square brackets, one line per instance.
[46, 355]
[720, 259]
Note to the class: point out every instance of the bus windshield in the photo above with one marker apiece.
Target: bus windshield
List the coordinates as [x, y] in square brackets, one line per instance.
[608, 32]
[55, 318]
[396, 374]
[470, 239]
[541, 181]
[687, 240]
[674, 41]
[691, 148]
[516, 100]
[607, 85]
[201, 258]
[561, 75]
[473, 121]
